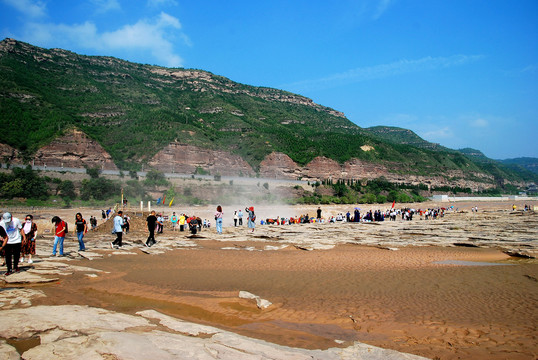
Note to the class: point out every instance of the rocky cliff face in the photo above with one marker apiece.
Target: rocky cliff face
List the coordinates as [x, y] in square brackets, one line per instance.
[74, 149]
[8, 154]
[185, 159]
[279, 166]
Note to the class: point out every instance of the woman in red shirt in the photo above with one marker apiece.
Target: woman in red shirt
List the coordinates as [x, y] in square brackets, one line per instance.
[59, 235]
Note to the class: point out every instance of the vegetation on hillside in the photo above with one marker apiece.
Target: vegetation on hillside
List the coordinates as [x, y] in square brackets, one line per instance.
[27, 186]
[527, 163]
[135, 110]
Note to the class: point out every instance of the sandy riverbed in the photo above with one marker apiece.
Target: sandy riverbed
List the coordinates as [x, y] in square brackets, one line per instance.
[417, 299]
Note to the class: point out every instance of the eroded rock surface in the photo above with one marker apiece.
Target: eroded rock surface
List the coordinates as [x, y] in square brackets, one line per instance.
[81, 332]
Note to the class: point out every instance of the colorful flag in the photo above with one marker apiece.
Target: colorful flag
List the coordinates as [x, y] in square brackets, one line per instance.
[164, 198]
[394, 202]
[171, 202]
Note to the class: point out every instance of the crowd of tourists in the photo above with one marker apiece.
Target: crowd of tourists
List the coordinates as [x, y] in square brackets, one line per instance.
[356, 216]
[18, 237]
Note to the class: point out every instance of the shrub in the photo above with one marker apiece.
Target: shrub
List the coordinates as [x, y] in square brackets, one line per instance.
[155, 178]
[99, 189]
[67, 190]
[93, 172]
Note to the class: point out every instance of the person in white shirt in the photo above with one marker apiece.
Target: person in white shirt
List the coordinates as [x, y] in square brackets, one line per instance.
[12, 242]
[118, 229]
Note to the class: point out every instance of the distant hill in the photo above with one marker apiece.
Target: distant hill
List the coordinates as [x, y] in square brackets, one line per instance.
[134, 111]
[402, 136]
[528, 163]
[474, 154]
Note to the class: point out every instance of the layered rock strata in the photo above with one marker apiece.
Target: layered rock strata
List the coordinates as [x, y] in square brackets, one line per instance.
[186, 159]
[74, 149]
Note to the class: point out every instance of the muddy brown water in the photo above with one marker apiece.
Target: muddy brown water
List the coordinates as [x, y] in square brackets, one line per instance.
[401, 300]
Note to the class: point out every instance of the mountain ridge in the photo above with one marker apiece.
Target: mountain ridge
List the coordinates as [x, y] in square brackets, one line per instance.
[134, 111]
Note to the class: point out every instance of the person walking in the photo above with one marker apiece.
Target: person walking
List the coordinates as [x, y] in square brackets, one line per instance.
[118, 230]
[60, 229]
[126, 224]
[30, 231]
[218, 219]
[160, 224]
[14, 236]
[3, 243]
[93, 222]
[235, 218]
[151, 221]
[174, 220]
[240, 216]
[82, 228]
[251, 218]
[182, 220]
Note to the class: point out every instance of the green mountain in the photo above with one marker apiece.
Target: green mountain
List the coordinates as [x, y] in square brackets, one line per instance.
[135, 110]
[474, 154]
[527, 163]
[399, 135]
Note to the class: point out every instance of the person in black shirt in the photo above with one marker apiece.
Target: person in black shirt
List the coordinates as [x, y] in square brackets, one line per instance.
[152, 221]
[93, 222]
[126, 224]
[82, 228]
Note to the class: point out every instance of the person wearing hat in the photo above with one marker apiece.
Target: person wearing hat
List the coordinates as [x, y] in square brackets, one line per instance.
[30, 231]
[12, 242]
[251, 218]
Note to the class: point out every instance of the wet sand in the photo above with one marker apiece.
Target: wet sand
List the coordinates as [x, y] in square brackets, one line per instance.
[400, 300]
[416, 299]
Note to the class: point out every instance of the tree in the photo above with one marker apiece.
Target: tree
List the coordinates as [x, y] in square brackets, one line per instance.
[99, 189]
[67, 189]
[155, 178]
[23, 183]
[93, 172]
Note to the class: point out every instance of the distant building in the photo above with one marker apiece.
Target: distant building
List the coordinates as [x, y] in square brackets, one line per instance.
[442, 198]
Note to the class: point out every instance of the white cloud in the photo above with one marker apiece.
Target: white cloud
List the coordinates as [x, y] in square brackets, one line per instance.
[146, 35]
[61, 35]
[30, 8]
[103, 6]
[384, 70]
[438, 134]
[479, 123]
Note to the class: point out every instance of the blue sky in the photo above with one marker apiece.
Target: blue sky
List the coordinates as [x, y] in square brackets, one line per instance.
[462, 73]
